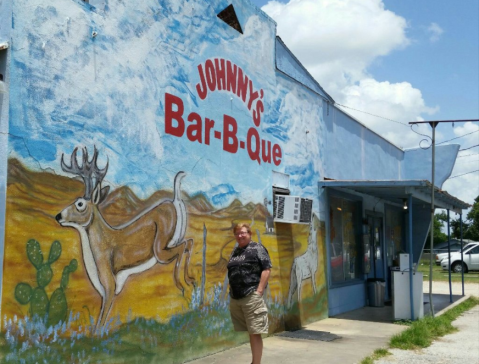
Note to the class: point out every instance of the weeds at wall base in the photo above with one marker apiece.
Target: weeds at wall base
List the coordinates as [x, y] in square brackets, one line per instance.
[423, 332]
[378, 354]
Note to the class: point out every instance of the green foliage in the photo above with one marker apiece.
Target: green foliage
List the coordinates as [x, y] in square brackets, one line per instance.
[439, 236]
[472, 231]
[54, 309]
[378, 354]
[422, 332]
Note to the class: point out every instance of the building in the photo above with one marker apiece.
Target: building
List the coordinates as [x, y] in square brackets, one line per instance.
[134, 135]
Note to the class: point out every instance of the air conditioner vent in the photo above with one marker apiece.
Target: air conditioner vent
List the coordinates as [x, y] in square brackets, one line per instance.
[280, 207]
[293, 209]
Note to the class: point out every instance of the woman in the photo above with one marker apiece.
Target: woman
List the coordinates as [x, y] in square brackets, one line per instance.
[248, 272]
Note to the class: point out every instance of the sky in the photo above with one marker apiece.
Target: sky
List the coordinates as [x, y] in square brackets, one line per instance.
[401, 60]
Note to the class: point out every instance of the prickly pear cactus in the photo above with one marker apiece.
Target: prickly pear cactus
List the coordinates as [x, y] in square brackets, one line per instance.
[34, 253]
[54, 309]
[58, 308]
[39, 302]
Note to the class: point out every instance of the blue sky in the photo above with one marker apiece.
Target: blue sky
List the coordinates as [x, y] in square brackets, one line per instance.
[404, 60]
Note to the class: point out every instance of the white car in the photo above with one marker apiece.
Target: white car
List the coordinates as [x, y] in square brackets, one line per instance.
[441, 256]
[470, 260]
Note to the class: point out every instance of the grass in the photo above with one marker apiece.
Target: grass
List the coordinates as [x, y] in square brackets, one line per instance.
[443, 275]
[422, 333]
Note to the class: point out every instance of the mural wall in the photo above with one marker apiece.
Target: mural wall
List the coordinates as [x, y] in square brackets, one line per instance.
[139, 134]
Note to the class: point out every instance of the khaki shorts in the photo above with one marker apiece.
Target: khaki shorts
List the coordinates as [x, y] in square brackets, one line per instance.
[250, 314]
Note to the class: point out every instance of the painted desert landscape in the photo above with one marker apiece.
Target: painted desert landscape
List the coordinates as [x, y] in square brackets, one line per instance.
[35, 198]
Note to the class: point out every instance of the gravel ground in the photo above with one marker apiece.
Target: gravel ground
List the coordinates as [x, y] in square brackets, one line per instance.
[460, 347]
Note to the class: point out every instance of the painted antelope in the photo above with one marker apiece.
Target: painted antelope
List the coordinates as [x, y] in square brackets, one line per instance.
[305, 266]
[112, 254]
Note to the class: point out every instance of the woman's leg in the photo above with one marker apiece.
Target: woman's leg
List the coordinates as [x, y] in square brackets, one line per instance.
[256, 343]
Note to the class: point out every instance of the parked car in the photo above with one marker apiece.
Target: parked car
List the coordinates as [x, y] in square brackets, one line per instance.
[441, 256]
[470, 260]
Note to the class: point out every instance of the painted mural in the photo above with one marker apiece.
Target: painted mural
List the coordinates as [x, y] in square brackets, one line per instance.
[138, 136]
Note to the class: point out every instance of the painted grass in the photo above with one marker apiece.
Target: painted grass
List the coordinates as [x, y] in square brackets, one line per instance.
[422, 333]
[197, 332]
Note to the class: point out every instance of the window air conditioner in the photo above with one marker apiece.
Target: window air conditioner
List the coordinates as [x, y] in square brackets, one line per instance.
[293, 209]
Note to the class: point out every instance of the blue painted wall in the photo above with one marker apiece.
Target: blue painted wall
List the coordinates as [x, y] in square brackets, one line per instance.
[5, 29]
[416, 159]
[141, 82]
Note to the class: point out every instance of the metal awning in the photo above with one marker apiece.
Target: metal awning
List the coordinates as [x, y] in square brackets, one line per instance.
[395, 191]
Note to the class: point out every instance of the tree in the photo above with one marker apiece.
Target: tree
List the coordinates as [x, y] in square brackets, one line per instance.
[439, 236]
[470, 225]
[472, 231]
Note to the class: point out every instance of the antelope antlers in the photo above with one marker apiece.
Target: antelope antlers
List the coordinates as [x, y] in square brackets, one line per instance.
[88, 171]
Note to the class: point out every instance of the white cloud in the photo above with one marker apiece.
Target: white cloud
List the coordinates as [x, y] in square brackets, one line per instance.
[398, 101]
[435, 32]
[337, 40]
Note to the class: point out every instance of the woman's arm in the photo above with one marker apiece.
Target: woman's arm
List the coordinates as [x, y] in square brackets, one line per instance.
[263, 281]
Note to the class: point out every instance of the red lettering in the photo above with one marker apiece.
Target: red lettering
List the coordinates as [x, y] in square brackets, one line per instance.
[253, 154]
[257, 113]
[201, 89]
[210, 75]
[170, 115]
[277, 154]
[230, 141]
[209, 124]
[193, 131]
[242, 85]
[231, 73]
[252, 95]
[266, 152]
[220, 73]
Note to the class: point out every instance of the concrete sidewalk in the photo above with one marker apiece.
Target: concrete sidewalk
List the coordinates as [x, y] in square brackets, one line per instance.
[362, 331]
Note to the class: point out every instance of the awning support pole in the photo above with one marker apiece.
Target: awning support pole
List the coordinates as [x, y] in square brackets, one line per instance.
[431, 248]
[411, 270]
[449, 254]
[462, 257]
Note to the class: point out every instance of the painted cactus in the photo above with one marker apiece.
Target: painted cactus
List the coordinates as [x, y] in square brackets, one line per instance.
[54, 309]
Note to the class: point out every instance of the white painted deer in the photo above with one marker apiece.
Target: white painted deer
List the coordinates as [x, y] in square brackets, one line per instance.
[112, 254]
[305, 266]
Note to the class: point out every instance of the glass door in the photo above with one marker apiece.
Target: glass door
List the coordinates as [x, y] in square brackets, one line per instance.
[375, 225]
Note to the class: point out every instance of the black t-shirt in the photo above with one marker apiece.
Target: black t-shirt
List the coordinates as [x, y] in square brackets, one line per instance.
[245, 268]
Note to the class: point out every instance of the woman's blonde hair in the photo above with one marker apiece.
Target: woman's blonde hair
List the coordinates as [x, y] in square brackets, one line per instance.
[241, 225]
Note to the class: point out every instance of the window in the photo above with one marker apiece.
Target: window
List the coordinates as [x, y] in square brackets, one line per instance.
[394, 235]
[228, 15]
[345, 239]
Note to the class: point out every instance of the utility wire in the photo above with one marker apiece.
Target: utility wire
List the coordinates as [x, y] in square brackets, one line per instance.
[472, 132]
[459, 175]
[477, 145]
[381, 117]
[467, 155]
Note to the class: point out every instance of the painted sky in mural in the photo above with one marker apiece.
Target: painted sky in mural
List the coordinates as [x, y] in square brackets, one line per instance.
[122, 72]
